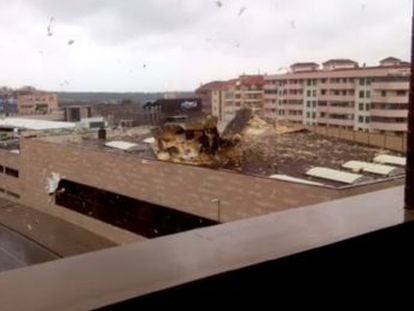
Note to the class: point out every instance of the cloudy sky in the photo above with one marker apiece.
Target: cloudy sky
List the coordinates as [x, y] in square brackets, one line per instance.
[159, 45]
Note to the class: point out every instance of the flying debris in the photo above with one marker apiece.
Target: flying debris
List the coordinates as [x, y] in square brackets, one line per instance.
[292, 24]
[70, 42]
[65, 82]
[144, 66]
[50, 26]
[219, 4]
[241, 11]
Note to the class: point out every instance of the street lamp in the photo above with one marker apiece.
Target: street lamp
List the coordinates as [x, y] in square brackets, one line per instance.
[217, 201]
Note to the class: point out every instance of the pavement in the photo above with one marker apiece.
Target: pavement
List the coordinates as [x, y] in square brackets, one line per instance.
[29, 236]
[17, 251]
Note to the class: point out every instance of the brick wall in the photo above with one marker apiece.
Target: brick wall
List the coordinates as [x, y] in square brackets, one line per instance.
[392, 142]
[8, 183]
[184, 187]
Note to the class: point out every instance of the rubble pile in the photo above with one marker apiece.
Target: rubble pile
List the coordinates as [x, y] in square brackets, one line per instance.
[247, 143]
[196, 142]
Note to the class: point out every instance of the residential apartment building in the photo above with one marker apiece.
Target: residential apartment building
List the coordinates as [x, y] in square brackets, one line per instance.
[225, 98]
[342, 94]
[34, 102]
[206, 92]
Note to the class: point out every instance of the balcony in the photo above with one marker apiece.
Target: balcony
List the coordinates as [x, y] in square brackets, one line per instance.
[396, 113]
[390, 85]
[270, 87]
[338, 110]
[340, 86]
[293, 107]
[385, 126]
[342, 98]
[352, 247]
[269, 106]
[297, 86]
[389, 99]
[294, 117]
[294, 96]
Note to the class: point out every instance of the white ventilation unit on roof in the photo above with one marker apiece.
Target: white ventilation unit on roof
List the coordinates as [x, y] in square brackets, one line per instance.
[335, 175]
[122, 145]
[296, 180]
[379, 169]
[389, 159]
[149, 140]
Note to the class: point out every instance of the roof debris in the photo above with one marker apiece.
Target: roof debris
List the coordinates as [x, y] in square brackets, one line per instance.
[241, 11]
[50, 26]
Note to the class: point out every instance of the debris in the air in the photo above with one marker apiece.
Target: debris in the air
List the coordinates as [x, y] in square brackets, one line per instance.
[241, 11]
[219, 4]
[292, 24]
[50, 26]
[70, 42]
[144, 66]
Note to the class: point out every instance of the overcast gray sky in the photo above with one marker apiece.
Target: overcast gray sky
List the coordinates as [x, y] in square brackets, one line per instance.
[159, 45]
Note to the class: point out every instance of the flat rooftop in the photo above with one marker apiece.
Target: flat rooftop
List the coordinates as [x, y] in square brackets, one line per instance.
[290, 152]
[34, 124]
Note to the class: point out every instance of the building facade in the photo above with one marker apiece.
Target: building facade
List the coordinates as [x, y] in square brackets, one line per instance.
[224, 98]
[341, 94]
[34, 102]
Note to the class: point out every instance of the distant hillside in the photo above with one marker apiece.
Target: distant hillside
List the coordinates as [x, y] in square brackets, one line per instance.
[102, 97]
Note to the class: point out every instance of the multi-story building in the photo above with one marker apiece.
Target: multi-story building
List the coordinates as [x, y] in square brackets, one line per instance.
[206, 92]
[341, 93]
[32, 102]
[224, 99]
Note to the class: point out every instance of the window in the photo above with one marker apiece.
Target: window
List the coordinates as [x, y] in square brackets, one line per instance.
[383, 93]
[361, 81]
[361, 107]
[361, 119]
[308, 93]
[367, 107]
[323, 92]
[12, 172]
[308, 114]
[1, 169]
[401, 93]
[367, 119]
[368, 81]
[308, 82]
[361, 94]
[322, 114]
[368, 94]
[314, 115]
[314, 103]
[308, 103]
[314, 93]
